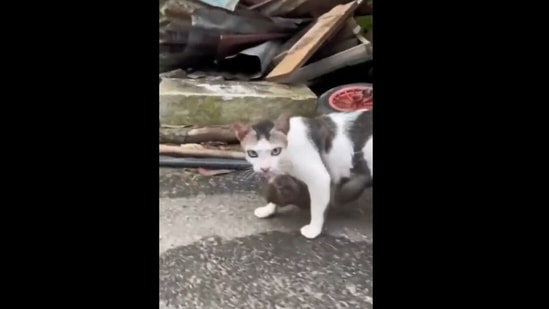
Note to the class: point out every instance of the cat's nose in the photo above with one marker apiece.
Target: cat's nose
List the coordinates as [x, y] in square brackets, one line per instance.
[265, 169]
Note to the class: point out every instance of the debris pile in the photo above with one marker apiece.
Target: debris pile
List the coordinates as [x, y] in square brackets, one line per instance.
[283, 41]
[211, 50]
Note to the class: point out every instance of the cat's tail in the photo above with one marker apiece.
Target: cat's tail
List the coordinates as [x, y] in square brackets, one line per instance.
[361, 178]
[351, 189]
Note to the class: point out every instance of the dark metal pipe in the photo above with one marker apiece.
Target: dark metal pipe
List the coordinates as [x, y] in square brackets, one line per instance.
[209, 163]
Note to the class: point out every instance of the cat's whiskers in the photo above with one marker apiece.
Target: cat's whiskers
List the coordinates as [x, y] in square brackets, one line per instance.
[248, 173]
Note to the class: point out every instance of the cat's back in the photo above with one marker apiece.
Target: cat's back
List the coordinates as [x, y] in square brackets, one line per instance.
[333, 136]
[323, 131]
[348, 126]
[345, 120]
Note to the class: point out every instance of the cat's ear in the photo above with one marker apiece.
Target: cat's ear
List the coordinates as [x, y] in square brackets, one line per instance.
[240, 130]
[282, 123]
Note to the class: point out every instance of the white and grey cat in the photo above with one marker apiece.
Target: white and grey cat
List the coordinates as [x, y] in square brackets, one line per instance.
[325, 151]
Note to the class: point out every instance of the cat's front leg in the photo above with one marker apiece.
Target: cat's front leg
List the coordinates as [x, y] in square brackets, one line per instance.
[265, 211]
[318, 182]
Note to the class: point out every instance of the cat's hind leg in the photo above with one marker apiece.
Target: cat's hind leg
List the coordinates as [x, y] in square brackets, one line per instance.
[369, 154]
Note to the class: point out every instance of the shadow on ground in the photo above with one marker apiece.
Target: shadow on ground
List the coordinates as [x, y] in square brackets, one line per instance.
[184, 183]
[268, 270]
[215, 254]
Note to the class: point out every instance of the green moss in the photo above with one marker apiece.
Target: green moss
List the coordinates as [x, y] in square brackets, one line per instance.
[366, 22]
[196, 103]
[212, 111]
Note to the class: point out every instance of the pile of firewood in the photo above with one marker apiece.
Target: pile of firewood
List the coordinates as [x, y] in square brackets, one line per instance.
[199, 142]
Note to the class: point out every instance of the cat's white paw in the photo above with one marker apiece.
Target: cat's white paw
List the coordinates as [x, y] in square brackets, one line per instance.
[309, 231]
[265, 211]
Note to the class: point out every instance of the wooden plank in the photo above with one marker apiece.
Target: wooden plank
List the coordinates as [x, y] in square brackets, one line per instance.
[308, 44]
[199, 153]
[288, 44]
[183, 135]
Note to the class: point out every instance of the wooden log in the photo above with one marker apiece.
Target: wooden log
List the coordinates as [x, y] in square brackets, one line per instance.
[197, 135]
[199, 153]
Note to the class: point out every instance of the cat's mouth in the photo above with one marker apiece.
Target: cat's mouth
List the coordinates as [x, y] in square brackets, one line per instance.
[266, 175]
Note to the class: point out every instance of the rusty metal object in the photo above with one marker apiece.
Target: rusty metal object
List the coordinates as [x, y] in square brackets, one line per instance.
[302, 8]
[192, 33]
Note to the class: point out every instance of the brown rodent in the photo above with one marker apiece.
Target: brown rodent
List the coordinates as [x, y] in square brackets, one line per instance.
[284, 190]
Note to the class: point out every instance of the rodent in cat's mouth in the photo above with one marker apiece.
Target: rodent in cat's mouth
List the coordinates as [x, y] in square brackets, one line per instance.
[267, 175]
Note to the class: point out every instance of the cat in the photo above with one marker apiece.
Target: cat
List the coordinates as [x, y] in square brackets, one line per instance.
[323, 151]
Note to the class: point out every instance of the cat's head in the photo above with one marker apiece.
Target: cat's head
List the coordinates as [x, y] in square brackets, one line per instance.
[264, 143]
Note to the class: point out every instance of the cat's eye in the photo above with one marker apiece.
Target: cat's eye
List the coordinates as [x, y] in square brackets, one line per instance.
[252, 154]
[276, 151]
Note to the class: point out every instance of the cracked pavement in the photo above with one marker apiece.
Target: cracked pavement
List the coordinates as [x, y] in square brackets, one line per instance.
[214, 253]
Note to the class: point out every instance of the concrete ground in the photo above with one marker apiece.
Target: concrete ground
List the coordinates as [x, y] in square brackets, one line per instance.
[214, 253]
